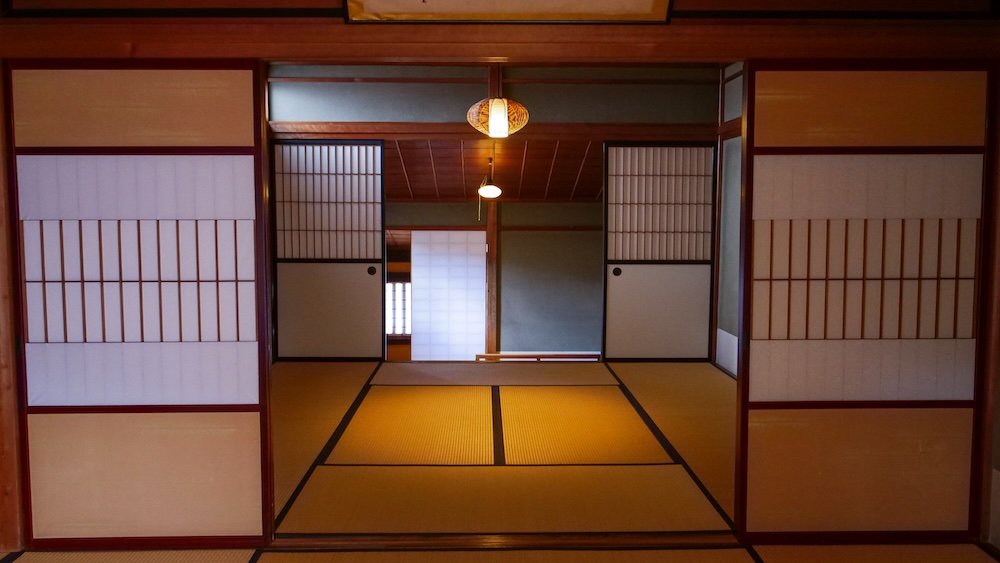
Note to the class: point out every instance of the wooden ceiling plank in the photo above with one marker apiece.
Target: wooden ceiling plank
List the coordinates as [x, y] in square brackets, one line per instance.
[409, 188]
[430, 154]
[579, 172]
[548, 182]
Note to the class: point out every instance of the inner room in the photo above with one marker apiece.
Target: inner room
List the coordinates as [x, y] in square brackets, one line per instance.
[560, 359]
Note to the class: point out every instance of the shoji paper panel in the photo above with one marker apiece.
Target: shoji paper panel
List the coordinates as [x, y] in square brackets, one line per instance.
[660, 203]
[130, 272]
[330, 310]
[448, 275]
[870, 108]
[141, 475]
[187, 373]
[868, 186]
[328, 201]
[860, 370]
[132, 107]
[858, 469]
[136, 187]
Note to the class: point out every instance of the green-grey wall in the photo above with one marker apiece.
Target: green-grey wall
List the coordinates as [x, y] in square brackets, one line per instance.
[551, 281]
[434, 215]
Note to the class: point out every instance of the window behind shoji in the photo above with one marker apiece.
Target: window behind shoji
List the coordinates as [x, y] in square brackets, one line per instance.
[660, 202]
[328, 244]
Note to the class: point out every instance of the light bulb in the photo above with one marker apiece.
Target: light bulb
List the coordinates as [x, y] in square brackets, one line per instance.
[490, 191]
[499, 126]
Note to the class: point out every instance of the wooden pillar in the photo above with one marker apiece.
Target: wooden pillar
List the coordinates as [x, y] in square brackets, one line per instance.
[11, 538]
[990, 314]
[492, 293]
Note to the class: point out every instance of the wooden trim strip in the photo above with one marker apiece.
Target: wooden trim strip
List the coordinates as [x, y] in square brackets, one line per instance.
[130, 64]
[905, 404]
[159, 13]
[134, 151]
[857, 537]
[746, 302]
[377, 80]
[507, 541]
[988, 313]
[143, 409]
[147, 543]
[852, 150]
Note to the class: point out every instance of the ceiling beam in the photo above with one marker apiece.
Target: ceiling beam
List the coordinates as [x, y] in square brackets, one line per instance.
[534, 131]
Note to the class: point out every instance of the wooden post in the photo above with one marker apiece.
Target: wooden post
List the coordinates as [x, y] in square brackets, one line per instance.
[10, 482]
[492, 293]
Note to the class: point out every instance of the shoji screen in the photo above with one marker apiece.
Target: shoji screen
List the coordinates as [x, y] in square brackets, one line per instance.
[659, 249]
[328, 242]
[866, 208]
[448, 274]
[136, 194]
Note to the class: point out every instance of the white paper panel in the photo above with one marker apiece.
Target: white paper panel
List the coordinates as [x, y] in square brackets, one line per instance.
[657, 311]
[867, 186]
[327, 310]
[136, 187]
[142, 374]
[862, 370]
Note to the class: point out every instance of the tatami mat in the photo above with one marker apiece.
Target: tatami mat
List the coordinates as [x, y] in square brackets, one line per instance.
[962, 553]
[420, 425]
[308, 400]
[734, 555]
[339, 499]
[494, 373]
[694, 404]
[574, 425]
[185, 556]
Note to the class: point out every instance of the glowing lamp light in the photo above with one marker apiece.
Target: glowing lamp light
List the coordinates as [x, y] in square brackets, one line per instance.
[490, 191]
[497, 117]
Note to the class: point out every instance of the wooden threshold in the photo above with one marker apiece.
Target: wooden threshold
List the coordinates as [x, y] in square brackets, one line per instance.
[580, 540]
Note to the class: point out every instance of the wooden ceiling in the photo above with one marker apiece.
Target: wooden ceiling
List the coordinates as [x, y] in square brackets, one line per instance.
[525, 169]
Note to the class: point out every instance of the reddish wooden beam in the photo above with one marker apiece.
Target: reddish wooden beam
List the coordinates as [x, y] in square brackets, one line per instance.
[11, 538]
[310, 40]
[598, 132]
[492, 287]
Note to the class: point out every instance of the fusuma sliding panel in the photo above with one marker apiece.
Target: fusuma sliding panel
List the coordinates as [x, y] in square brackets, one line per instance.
[328, 243]
[133, 107]
[659, 251]
[137, 194]
[867, 209]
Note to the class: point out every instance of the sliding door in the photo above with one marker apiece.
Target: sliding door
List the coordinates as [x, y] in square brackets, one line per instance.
[328, 243]
[659, 250]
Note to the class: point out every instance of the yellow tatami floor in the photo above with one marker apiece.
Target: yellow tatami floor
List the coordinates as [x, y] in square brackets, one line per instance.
[576, 450]
[489, 448]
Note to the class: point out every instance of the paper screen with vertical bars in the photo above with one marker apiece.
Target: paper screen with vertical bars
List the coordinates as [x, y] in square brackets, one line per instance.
[328, 201]
[660, 203]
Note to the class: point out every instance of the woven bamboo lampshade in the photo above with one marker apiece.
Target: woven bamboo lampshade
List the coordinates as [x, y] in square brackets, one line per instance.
[497, 117]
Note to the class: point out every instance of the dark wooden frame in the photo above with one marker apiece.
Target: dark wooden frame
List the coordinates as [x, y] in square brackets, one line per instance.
[272, 235]
[7, 10]
[987, 359]
[262, 295]
[714, 145]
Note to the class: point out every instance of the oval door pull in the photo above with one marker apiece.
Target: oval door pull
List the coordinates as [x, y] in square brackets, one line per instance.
[371, 270]
[617, 271]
